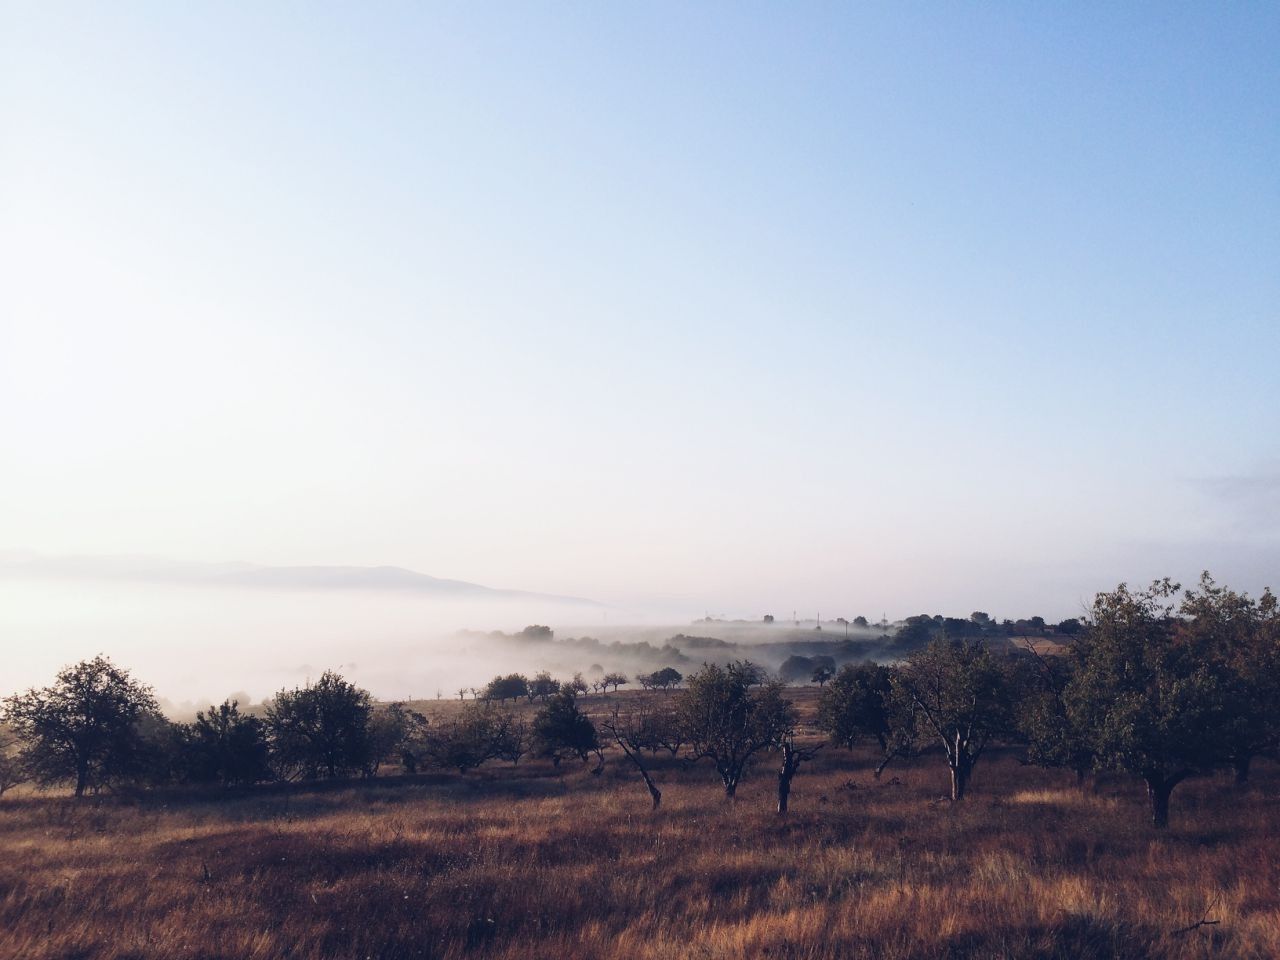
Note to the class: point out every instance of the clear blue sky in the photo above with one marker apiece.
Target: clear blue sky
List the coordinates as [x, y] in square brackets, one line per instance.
[744, 307]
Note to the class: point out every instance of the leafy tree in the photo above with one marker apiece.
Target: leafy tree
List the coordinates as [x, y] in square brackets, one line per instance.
[1241, 636]
[225, 746]
[468, 738]
[663, 679]
[614, 680]
[542, 686]
[768, 618]
[575, 686]
[959, 693]
[561, 730]
[860, 621]
[395, 732]
[512, 738]
[727, 716]
[12, 769]
[83, 729]
[824, 668]
[856, 705]
[1053, 733]
[796, 668]
[321, 729]
[915, 632]
[1150, 699]
[511, 687]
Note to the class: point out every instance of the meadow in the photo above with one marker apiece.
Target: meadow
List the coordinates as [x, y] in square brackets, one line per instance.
[530, 861]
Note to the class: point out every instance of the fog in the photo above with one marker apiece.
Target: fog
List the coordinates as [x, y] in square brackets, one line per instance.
[199, 644]
[202, 643]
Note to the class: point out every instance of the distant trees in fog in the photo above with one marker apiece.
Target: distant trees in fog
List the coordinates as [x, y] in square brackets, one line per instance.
[663, 679]
[513, 686]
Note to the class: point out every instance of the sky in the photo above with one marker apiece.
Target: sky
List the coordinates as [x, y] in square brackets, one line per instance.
[719, 308]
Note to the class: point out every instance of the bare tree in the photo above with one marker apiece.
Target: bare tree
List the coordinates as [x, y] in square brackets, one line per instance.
[630, 731]
[792, 757]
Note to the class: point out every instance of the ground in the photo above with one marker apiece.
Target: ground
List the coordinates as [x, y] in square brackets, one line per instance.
[527, 862]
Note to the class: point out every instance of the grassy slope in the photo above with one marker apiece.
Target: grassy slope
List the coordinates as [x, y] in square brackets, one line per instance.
[520, 863]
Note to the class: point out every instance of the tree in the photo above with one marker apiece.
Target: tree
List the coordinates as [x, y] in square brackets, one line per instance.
[12, 769]
[959, 693]
[561, 730]
[225, 746]
[511, 687]
[511, 738]
[796, 668]
[1053, 734]
[792, 757]
[631, 731]
[663, 679]
[727, 715]
[576, 685]
[1150, 698]
[542, 686]
[1241, 636]
[395, 732]
[614, 680]
[468, 738]
[824, 668]
[321, 729]
[768, 618]
[84, 728]
[856, 705]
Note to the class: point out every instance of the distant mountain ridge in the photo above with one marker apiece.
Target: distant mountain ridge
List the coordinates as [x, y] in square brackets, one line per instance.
[251, 575]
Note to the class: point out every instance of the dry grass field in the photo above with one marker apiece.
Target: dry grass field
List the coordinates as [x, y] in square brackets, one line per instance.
[524, 862]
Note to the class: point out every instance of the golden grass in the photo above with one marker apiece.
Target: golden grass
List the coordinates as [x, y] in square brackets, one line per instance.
[516, 863]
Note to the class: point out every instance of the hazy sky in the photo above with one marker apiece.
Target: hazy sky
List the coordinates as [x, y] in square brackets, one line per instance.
[866, 308]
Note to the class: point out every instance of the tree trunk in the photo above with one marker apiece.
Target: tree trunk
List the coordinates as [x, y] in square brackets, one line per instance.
[784, 789]
[959, 779]
[730, 787]
[1158, 790]
[1242, 769]
[1084, 782]
[82, 778]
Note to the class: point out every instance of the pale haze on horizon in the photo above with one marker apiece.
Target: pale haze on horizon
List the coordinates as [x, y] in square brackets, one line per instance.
[698, 308]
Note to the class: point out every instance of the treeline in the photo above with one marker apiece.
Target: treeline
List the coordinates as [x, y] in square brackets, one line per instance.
[1158, 683]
